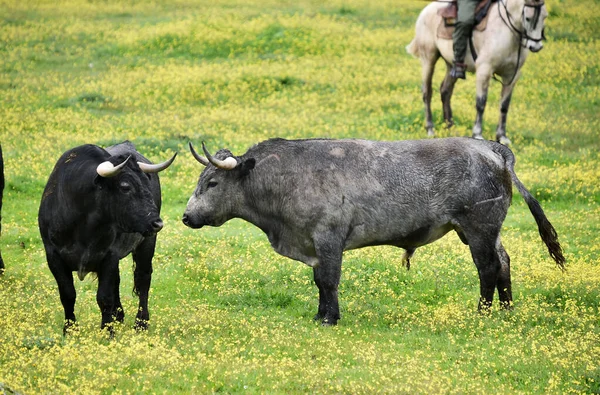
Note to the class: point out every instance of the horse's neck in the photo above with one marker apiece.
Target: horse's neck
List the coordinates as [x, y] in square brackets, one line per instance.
[515, 10]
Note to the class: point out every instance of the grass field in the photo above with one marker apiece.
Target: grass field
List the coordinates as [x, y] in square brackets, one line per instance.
[227, 313]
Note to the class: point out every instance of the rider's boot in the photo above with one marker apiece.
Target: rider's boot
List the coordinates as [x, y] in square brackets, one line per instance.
[458, 70]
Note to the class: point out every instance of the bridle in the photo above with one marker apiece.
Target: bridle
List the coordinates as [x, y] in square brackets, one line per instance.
[523, 35]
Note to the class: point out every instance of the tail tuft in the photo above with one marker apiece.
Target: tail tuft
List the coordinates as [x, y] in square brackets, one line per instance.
[547, 231]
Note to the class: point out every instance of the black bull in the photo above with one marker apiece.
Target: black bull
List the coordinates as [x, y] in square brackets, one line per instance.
[317, 198]
[98, 206]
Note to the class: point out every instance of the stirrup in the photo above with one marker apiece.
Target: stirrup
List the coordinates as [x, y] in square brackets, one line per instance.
[458, 70]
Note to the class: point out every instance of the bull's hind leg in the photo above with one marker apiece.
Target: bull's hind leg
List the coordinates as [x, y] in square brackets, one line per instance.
[482, 243]
[504, 284]
[446, 90]
[142, 277]
[327, 278]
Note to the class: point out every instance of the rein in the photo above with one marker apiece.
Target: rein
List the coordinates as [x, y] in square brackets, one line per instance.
[523, 36]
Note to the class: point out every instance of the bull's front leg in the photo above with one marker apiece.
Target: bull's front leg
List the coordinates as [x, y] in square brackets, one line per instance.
[327, 278]
[142, 277]
[64, 279]
[484, 73]
[108, 286]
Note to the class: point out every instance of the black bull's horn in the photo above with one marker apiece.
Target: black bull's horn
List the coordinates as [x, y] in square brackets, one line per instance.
[107, 169]
[226, 164]
[149, 168]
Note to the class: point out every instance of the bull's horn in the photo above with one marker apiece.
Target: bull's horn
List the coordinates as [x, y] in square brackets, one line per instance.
[148, 168]
[226, 164]
[107, 169]
[199, 158]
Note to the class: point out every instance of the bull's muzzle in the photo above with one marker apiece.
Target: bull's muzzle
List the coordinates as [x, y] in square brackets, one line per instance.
[189, 222]
[157, 225]
[153, 228]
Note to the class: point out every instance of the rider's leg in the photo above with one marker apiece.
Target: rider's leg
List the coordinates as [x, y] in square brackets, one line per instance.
[462, 31]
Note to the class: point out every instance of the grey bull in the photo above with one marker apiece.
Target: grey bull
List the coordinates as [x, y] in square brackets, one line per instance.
[317, 198]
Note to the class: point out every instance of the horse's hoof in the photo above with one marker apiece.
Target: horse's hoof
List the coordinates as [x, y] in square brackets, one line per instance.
[430, 133]
[478, 137]
[504, 140]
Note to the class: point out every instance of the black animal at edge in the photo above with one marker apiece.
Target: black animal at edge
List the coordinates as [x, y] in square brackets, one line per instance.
[1, 197]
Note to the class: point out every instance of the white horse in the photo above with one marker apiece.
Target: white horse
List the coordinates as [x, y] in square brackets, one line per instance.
[514, 28]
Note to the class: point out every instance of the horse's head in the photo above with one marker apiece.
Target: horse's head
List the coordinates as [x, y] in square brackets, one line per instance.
[533, 19]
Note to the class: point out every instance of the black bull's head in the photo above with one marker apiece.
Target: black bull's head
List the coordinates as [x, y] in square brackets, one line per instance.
[129, 195]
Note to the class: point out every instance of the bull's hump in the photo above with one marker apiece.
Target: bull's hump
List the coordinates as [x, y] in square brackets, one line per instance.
[338, 152]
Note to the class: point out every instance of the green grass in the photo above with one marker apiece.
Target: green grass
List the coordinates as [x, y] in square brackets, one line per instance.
[227, 313]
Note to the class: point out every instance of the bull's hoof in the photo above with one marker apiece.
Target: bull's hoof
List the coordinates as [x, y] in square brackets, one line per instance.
[120, 315]
[449, 123]
[485, 308]
[70, 327]
[507, 306]
[329, 322]
[325, 320]
[109, 328]
[140, 325]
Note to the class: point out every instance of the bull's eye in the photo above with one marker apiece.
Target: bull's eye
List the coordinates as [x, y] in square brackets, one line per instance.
[125, 187]
[212, 184]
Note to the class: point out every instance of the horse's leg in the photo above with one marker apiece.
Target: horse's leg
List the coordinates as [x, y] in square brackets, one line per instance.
[504, 104]
[483, 73]
[427, 67]
[446, 92]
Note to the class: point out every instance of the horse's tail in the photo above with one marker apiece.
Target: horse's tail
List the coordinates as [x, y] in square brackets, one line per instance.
[547, 231]
[423, 44]
[413, 48]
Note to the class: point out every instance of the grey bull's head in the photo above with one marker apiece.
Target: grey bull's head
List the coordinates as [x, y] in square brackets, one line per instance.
[218, 195]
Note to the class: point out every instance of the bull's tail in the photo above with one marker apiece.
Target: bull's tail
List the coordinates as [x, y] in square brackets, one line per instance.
[547, 231]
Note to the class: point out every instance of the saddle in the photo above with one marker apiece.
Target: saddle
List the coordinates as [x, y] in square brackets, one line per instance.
[449, 13]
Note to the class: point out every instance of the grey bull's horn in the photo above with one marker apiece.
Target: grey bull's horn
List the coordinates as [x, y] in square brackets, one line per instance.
[107, 169]
[148, 168]
[226, 164]
[199, 158]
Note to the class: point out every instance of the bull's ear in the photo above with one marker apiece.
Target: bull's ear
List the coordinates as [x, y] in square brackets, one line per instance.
[98, 182]
[246, 166]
